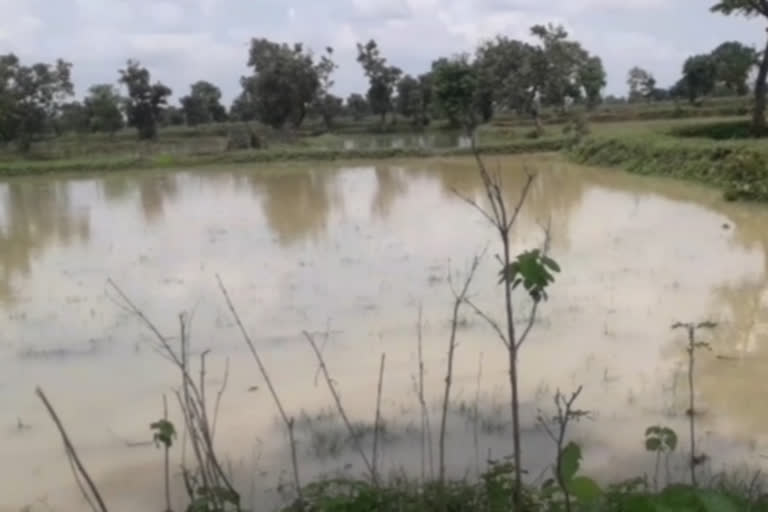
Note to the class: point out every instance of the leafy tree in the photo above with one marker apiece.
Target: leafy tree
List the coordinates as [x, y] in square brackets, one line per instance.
[699, 73]
[357, 106]
[72, 117]
[733, 62]
[565, 60]
[245, 107]
[381, 77]
[203, 104]
[514, 71]
[409, 97]
[752, 8]
[172, 116]
[592, 79]
[641, 84]
[455, 87]
[30, 96]
[103, 106]
[328, 105]
[426, 87]
[284, 84]
[145, 102]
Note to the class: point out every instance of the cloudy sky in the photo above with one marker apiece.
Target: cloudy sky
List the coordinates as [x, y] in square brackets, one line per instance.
[181, 41]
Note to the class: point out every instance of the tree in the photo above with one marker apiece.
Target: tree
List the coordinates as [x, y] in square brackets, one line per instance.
[203, 104]
[751, 8]
[565, 60]
[284, 84]
[103, 107]
[455, 87]
[699, 73]
[592, 79]
[172, 116]
[641, 84]
[514, 71]
[328, 105]
[409, 97]
[30, 96]
[245, 107]
[145, 102]
[733, 62]
[426, 87]
[357, 106]
[381, 77]
[72, 117]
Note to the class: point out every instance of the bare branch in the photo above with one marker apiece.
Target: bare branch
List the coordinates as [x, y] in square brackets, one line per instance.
[494, 325]
[340, 407]
[218, 398]
[377, 421]
[71, 452]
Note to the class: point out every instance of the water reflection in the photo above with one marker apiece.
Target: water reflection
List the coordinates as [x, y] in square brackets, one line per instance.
[37, 215]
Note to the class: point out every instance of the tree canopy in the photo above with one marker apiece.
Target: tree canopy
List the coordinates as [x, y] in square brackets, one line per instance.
[146, 101]
[30, 96]
[382, 78]
[203, 104]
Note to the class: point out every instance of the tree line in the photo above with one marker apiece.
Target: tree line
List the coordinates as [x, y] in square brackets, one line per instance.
[287, 83]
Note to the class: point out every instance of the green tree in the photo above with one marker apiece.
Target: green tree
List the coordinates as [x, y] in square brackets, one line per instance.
[409, 97]
[326, 104]
[752, 8]
[103, 106]
[382, 78]
[357, 106]
[245, 107]
[592, 79]
[172, 116]
[514, 71]
[284, 84]
[733, 62]
[426, 88]
[203, 104]
[146, 101]
[71, 117]
[455, 87]
[641, 84]
[699, 73]
[564, 60]
[30, 97]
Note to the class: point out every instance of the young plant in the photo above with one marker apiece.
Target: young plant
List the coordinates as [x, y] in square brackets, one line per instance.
[584, 489]
[661, 441]
[164, 434]
[533, 269]
[694, 345]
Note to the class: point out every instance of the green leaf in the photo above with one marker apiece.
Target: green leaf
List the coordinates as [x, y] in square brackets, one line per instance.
[584, 489]
[552, 264]
[653, 430]
[670, 438]
[652, 444]
[569, 461]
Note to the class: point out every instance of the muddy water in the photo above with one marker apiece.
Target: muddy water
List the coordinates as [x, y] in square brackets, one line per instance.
[354, 251]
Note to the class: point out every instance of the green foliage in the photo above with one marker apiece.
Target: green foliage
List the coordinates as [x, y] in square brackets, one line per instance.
[145, 101]
[215, 499]
[533, 269]
[740, 170]
[30, 96]
[455, 88]
[357, 106]
[203, 104]
[164, 433]
[699, 74]
[641, 84]
[733, 63]
[285, 83]
[382, 78]
[103, 108]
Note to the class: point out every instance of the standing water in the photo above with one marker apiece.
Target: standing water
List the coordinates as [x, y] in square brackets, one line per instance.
[350, 253]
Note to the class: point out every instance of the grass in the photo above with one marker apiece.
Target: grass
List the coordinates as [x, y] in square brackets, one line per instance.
[273, 154]
[715, 153]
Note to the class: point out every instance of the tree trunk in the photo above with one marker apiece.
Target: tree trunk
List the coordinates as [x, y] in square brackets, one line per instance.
[758, 116]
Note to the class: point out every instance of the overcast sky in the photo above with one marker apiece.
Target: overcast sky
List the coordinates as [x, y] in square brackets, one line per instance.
[182, 41]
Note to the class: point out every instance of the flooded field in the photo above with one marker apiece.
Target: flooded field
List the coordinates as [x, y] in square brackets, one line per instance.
[355, 251]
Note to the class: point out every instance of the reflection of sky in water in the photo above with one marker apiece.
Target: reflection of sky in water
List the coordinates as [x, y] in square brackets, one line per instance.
[303, 247]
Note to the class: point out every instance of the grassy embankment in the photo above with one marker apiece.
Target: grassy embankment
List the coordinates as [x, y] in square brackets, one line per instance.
[715, 151]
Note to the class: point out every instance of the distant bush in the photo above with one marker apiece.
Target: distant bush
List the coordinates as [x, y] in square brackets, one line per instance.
[724, 130]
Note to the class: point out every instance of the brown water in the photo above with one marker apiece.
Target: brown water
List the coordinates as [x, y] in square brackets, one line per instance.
[354, 250]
